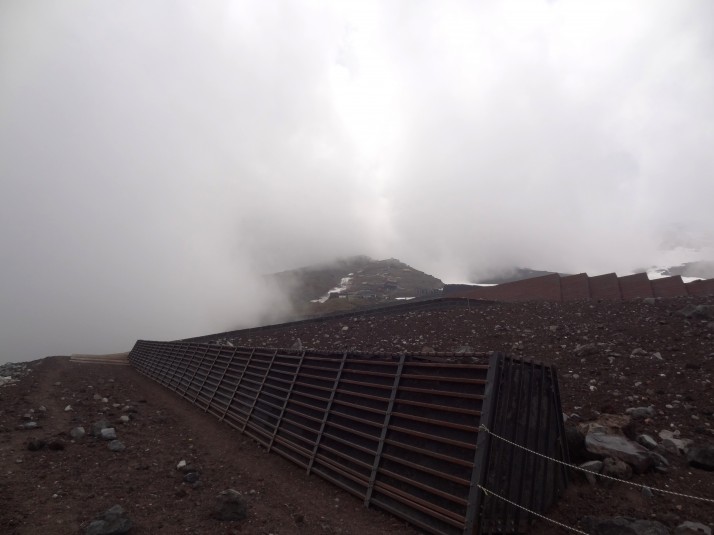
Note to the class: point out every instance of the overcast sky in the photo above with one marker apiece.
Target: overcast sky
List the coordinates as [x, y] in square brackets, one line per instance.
[156, 157]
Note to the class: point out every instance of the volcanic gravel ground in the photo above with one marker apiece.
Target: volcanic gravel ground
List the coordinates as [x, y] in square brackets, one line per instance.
[591, 343]
[50, 491]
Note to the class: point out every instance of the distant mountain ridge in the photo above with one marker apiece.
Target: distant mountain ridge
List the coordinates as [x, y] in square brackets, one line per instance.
[350, 283]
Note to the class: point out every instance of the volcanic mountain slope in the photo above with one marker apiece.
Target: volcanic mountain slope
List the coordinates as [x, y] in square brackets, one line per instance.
[611, 356]
[353, 283]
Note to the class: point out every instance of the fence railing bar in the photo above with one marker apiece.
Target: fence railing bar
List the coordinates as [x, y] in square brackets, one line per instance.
[496, 463]
[220, 380]
[383, 434]
[257, 395]
[520, 371]
[177, 367]
[238, 385]
[198, 367]
[205, 378]
[327, 412]
[287, 400]
[483, 446]
[526, 429]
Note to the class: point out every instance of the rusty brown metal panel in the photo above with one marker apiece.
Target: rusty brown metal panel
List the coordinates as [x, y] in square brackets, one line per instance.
[605, 287]
[575, 287]
[669, 287]
[545, 288]
[700, 288]
[634, 286]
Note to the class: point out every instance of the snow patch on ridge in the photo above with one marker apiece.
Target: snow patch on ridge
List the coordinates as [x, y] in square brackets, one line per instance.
[344, 284]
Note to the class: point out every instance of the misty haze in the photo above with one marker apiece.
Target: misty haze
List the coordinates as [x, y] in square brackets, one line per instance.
[161, 162]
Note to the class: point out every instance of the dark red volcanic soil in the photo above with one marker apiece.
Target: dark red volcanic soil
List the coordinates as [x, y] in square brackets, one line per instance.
[87, 478]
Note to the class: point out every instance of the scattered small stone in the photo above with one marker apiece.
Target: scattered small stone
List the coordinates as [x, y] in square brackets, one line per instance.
[586, 350]
[98, 426]
[124, 419]
[29, 425]
[36, 444]
[190, 477]
[108, 433]
[116, 445]
[647, 492]
[697, 312]
[112, 522]
[68, 408]
[640, 413]
[181, 465]
[77, 433]
[230, 505]
[616, 468]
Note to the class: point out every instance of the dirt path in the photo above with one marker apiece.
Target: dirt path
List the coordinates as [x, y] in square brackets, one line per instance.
[61, 491]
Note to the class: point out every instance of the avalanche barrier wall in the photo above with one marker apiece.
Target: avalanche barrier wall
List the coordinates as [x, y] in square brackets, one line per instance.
[418, 436]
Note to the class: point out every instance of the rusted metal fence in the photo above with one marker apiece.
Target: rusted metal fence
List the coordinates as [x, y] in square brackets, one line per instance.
[403, 433]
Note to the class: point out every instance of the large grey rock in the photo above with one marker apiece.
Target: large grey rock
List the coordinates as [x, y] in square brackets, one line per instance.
[230, 505]
[620, 447]
[692, 528]
[701, 458]
[621, 525]
[112, 522]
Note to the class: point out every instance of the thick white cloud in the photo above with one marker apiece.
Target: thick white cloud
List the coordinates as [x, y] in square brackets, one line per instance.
[156, 158]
